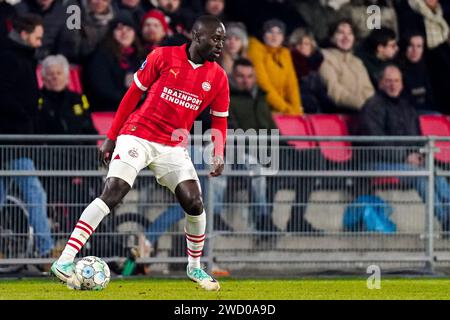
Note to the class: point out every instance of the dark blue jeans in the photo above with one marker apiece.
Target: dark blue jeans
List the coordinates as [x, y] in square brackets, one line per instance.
[442, 188]
[35, 199]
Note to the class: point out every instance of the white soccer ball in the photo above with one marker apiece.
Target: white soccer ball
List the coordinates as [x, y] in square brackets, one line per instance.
[93, 273]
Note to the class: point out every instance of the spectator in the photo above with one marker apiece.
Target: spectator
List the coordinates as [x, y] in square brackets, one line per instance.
[180, 18]
[437, 33]
[307, 60]
[57, 38]
[320, 16]
[96, 16]
[61, 111]
[344, 75]
[19, 95]
[155, 31]
[109, 72]
[235, 47]
[216, 8]
[356, 10]
[416, 76]
[275, 71]
[387, 113]
[378, 50]
[135, 8]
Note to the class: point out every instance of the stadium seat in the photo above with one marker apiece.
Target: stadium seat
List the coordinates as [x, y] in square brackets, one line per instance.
[74, 78]
[437, 125]
[294, 126]
[102, 122]
[331, 125]
[385, 182]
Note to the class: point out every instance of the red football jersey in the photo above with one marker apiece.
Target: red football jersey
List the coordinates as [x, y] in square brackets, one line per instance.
[178, 91]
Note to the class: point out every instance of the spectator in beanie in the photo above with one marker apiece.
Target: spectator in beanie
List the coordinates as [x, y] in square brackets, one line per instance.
[307, 60]
[235, 47]
[110, 71]
[275, 71]
[155, 32]
[134, 7]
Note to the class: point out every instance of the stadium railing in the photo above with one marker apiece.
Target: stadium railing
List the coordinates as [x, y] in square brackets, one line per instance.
[294, 183]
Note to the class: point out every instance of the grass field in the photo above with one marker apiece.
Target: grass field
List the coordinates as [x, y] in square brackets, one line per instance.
[232, 289]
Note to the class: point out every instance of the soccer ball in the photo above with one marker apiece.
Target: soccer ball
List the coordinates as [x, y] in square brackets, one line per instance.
[93, 273]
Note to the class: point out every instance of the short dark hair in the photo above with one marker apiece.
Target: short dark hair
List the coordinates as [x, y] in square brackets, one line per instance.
[334, 26]
[379, 37]
[205, 20]
[26, 22]
[242, 62]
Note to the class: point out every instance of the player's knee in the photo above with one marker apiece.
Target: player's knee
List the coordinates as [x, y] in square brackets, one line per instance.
[195, 206]
[114, 191]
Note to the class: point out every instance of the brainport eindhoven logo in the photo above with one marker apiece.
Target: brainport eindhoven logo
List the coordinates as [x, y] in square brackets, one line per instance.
[255, 150]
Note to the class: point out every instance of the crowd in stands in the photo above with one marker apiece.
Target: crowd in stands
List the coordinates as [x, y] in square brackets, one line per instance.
[309, 56]
[291, 57]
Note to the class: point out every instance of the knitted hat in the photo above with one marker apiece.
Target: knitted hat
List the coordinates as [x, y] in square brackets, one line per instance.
[159, 15]
[124, 18]
[237, 29]
[269, 24]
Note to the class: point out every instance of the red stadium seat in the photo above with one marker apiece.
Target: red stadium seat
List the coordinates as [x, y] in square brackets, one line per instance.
[331, 125]
[437, 125]
[74, 78]
[102, 122]
[385, 181]
[294, 126]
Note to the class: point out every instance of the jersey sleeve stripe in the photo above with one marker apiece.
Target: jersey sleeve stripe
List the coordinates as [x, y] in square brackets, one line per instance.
[138, 83]
[219, 114]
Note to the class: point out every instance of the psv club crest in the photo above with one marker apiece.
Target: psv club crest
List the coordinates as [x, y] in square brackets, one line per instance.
[206, 86]
[133, 153]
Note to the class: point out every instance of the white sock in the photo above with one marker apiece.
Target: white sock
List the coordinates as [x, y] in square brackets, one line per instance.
[194, 229]
[88, 222]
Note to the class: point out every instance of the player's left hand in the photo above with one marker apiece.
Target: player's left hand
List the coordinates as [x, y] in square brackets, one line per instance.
[217, 166]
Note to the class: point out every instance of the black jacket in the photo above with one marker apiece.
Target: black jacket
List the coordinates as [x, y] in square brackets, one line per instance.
[64, 112]
[382, 115]
[18, 89]
[58, 38]
[105, 79]
[417, 85]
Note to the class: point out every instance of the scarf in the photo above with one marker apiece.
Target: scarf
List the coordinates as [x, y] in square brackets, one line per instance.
[126, 57]
[435, 26]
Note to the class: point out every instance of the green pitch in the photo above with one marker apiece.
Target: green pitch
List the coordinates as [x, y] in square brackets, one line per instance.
[236, 289]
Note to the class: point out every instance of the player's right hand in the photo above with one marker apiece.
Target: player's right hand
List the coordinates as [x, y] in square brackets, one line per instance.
[106, 150]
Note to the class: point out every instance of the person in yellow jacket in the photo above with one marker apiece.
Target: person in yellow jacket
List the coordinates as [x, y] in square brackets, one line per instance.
[275, 71]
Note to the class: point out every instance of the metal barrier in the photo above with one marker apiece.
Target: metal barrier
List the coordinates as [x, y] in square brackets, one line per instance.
[315, 195]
